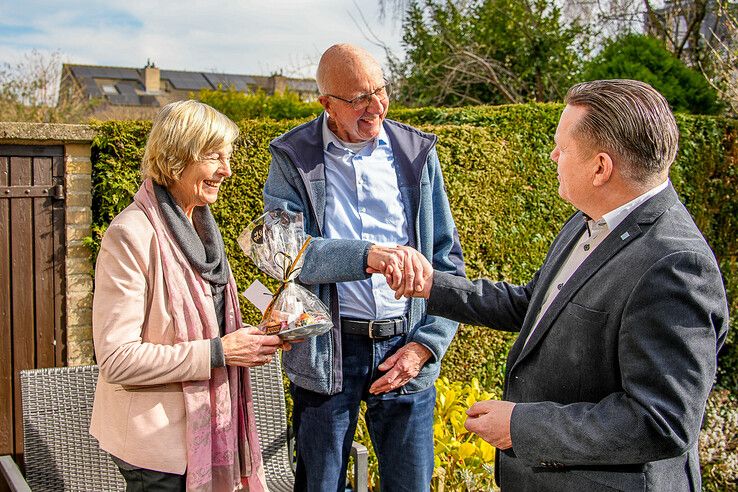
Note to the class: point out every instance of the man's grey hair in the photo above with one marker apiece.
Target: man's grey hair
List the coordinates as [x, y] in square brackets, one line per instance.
[631, 121]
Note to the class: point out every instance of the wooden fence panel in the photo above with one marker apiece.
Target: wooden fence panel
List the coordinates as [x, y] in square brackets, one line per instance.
[32, 284]
[21, 279]
[58, 213]
[6, 359]
[43, 244]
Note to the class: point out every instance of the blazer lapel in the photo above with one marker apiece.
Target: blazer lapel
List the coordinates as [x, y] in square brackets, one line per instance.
[613, 243]
[624, 234]
[560, 250]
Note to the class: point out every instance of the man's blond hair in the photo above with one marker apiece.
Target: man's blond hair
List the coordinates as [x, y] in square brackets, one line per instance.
[181, 134]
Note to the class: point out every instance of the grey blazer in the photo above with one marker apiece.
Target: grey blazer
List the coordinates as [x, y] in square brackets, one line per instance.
[611, 387]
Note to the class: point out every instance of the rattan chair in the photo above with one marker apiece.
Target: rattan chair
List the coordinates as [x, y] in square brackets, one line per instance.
[60, 455]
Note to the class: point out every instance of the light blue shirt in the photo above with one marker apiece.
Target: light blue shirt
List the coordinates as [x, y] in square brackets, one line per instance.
[363, 202]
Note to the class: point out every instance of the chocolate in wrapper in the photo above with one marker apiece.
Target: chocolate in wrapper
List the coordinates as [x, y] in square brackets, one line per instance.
[276, 242]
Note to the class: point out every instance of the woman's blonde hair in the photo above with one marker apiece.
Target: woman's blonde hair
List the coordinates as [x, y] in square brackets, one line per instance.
[181, 134]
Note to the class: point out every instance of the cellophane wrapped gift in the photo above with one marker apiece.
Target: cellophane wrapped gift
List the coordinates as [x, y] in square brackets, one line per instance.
[276, 242]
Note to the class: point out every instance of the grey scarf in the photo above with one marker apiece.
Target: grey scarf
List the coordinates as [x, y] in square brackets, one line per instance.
[201, 243]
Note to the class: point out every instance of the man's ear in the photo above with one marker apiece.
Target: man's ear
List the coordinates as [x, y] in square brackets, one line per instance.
[325, 101]
[603, 169]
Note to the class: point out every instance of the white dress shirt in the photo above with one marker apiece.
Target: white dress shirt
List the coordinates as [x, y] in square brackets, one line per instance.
[363, 201]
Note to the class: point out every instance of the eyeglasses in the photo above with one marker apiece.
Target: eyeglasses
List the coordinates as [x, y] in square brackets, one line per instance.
[363, 100]
[215, 156]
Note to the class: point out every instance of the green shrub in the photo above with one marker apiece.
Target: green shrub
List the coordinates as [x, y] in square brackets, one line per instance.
[719, 442]
[239, 105]
[503, 191]
[641, 57]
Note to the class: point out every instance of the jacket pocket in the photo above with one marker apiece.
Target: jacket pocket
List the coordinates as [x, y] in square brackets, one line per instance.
[586, 314]
[152, 388]
[615, 480]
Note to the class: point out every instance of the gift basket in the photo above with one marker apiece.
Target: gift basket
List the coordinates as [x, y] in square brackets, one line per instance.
[276, 242]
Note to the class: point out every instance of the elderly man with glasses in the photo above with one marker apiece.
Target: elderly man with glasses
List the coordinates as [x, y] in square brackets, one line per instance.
[364, 185]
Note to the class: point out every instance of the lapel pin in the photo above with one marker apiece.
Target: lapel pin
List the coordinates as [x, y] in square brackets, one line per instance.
[625, 236]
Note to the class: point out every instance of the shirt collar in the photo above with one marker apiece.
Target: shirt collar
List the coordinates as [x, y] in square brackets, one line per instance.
[330, 138]
[594, 227]
[614, 217]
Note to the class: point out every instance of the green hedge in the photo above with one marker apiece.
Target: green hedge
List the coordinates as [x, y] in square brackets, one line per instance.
[239, 105]
[503, 191]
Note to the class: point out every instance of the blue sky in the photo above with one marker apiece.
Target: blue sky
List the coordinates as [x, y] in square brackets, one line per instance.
[229, 36]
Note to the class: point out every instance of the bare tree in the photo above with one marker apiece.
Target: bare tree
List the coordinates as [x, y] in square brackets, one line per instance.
[682, 25]
[29, 91]
[394, 9]
[679, 24]
[723, 52]
[468, 66]
[607, 18]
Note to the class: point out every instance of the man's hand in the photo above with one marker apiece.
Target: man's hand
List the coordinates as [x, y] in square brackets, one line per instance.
[490, 420]
[249, 347]
[401, 367]
[406, 270]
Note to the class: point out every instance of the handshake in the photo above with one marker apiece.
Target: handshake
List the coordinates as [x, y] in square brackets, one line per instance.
[406, 270]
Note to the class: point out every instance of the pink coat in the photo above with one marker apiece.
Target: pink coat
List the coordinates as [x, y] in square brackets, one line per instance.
[134, 345]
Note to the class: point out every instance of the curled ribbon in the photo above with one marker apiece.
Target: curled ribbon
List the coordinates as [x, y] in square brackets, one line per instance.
[289, 268]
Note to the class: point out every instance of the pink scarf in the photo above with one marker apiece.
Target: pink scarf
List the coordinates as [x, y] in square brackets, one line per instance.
[222, 444]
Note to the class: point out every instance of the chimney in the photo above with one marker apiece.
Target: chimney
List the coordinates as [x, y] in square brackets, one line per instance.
[152, 80]
[278, 83]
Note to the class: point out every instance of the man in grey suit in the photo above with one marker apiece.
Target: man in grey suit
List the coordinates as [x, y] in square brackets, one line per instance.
[620, 327]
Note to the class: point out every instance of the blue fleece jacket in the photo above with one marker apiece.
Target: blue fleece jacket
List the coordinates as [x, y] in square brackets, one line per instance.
[296, 182]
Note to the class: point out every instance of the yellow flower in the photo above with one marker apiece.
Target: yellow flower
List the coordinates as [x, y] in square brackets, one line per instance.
[486, 451]
[467, 450]
[457, 421]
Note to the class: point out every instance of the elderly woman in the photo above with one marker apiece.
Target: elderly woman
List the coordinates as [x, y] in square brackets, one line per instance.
[172, 405]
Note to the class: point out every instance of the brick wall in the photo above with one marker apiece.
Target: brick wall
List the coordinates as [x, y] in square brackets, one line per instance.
[76, 140]
[78, 217]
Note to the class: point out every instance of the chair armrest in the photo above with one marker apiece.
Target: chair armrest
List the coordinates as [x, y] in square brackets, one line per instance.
[361, 467]
[291, 449]
[12, 474]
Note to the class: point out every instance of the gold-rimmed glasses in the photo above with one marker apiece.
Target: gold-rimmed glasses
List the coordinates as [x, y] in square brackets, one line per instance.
[363, 100]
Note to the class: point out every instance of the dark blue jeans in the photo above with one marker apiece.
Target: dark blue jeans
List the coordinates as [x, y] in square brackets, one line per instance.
[400, 425]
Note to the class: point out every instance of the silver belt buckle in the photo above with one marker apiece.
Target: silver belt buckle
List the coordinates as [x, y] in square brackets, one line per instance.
[371, 326]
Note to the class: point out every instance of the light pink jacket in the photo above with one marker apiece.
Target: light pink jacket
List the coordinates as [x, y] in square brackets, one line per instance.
[139, 412]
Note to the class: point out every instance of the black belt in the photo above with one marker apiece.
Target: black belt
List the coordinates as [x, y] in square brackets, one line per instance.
[380, 328]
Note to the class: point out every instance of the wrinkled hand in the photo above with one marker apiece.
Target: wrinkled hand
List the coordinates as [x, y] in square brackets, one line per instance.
[249, 347]
[490, 420]
[401, 367]
[406, 270]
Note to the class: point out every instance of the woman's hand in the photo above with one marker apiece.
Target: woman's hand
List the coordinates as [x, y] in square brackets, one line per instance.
[249, 347]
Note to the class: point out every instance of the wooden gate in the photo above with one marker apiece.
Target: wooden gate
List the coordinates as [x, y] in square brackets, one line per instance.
[32, 330]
